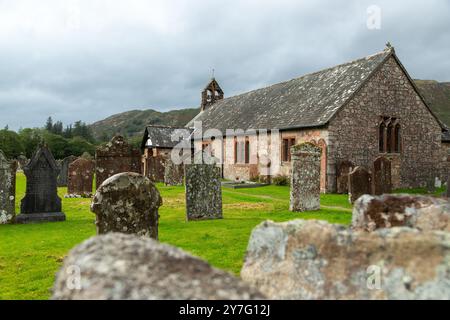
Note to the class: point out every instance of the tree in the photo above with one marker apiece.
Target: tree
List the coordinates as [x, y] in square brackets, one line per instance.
[78, 145]
[49, 124]
[57, 144]
[10, 143]
[30, 139]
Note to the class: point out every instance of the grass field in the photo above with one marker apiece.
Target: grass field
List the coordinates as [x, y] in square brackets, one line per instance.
[30, 255]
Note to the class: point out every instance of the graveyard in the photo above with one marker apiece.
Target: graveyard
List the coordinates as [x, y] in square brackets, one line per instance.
[31, 254]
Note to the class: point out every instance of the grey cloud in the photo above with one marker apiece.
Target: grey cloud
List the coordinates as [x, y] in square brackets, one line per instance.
[149, 54]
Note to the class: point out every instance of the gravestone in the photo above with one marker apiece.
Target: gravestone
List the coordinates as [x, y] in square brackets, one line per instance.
[7, 189]
[448, 187]
[316, 260]
[128, 203]
[343, 170]
[81, 175]
[21, 162]
[381, 176]
[305, 177]
[119, 266]
[173, 174]
[86, 155]
[64, 170]
[401, 210]
[203, 192]
[115, 157]
[41, 202]
[358, 183]
[430, 185]
[156, 168]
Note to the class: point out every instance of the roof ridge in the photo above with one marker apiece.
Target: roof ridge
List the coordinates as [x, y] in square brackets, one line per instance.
[163, 126]
[385, 51]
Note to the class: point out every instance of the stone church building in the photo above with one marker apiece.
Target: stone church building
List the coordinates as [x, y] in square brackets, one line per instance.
[356, 112]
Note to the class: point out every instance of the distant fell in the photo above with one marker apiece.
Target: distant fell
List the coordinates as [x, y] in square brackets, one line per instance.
[437, 94]
[131, 124]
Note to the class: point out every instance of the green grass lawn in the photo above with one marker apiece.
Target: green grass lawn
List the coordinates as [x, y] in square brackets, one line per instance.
[30, 255]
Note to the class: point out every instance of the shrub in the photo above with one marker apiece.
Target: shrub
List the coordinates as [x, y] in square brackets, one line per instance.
[280, 180]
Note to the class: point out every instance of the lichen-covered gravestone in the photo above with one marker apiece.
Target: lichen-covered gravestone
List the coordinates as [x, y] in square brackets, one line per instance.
[315, 260]
[305, 177]
[41, 202]
[358, 183]
[64, 171]
[115, 157]
[119, 266]
[381, 176]
[128, 203]
[21, 161]
[7, 189]
[203, 192]
[81, 175]
[387, 211]
[173, 174]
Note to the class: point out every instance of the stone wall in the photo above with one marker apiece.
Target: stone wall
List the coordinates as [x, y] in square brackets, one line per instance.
[353, 132]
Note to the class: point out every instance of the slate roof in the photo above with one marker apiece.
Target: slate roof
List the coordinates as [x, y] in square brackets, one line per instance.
[161, 136]
[308, 101]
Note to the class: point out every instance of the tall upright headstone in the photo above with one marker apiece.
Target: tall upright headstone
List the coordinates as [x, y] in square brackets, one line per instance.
[203, 190]
[115, 157]
[127, 203]
[41, 202]
[358, 183]
[81, 175]
[448, 186]
[173, 174]
[381, 176]
[305, 177]
[64, 171]
[7, 189]
[343, 170]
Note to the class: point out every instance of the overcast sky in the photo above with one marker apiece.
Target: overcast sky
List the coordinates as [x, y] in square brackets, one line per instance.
[88, 59]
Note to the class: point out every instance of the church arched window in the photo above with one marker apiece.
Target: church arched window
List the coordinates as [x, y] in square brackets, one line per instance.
[398, 138]
[382, 137]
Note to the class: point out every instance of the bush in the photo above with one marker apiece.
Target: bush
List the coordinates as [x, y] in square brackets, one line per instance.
[281, 180]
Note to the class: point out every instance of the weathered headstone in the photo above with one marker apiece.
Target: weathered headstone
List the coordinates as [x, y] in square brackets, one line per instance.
[86, 155]
[358, 183]
[343, 170]
[128, 203]
[388, 211]
[41, 202]
[155, 168]
[81, 175]
[305, 177]
[21, 161]
[7, 189]
[115, 157]
[203, 192]
[64, 170]
[430, 185]
[381, 176]
[315, 260]
[448, 187]
[173, 174]
[125, 267]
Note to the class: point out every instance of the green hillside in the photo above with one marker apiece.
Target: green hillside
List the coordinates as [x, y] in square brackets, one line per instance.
[132, 123]
[437, 94]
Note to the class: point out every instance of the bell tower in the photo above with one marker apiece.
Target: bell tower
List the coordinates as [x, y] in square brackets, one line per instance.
[211, 94]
